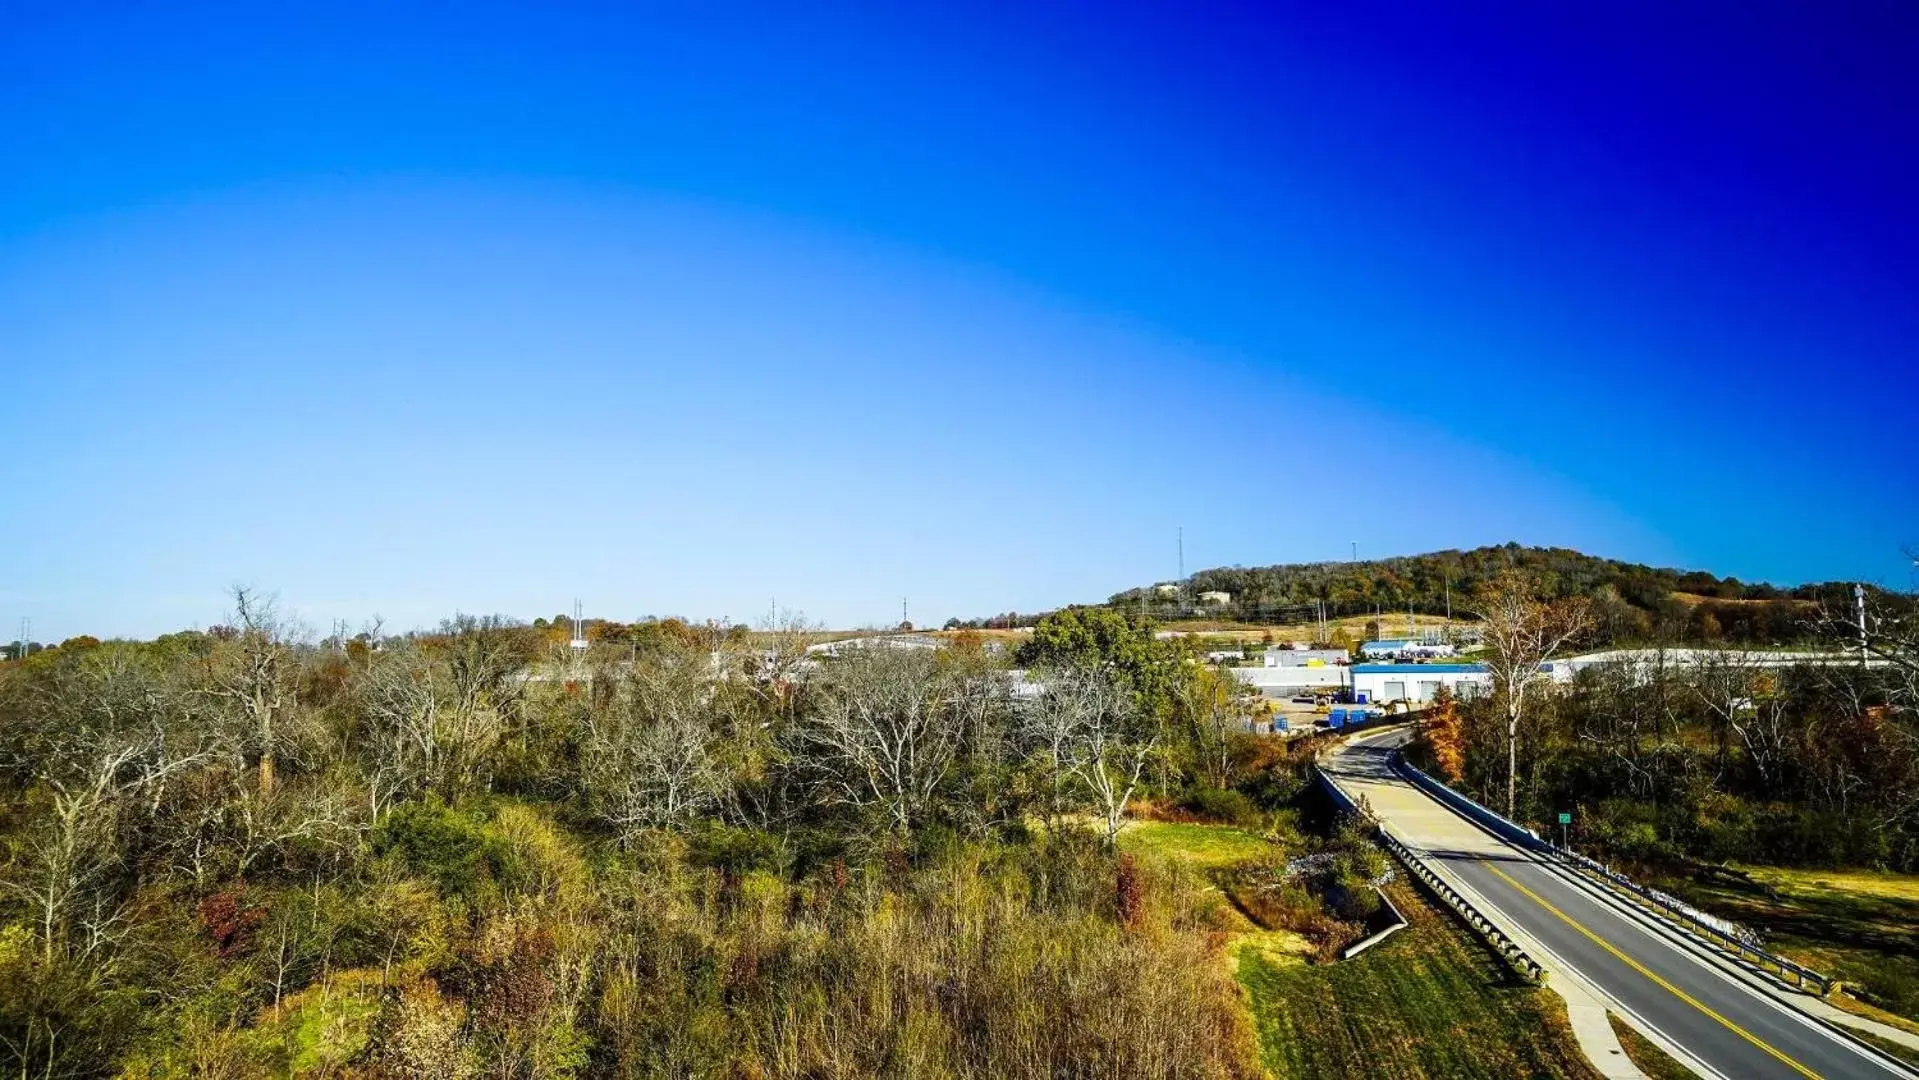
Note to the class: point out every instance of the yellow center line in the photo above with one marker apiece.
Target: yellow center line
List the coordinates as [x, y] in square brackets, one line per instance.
[1641, 968]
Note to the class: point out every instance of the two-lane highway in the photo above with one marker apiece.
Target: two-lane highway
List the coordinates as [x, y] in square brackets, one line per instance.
[1689, 1000]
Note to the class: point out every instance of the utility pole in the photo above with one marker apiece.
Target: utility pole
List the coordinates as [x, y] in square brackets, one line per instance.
[902, 611]
[1355, 551]
[1182, 555]
[1859, 601]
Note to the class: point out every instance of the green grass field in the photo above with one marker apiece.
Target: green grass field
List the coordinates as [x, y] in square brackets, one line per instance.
[1857, 926]
[1429, 1002]
[1209, 847]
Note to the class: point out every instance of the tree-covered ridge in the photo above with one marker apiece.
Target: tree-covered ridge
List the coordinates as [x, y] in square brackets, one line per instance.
[1631, 601]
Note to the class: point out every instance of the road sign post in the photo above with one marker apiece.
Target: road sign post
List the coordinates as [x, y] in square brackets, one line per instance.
[1565, 819]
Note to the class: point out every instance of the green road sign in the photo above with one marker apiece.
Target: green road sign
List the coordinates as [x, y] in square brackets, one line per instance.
[1565, 818]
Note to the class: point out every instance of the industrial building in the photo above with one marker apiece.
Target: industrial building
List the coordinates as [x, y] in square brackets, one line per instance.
[1303, 657]
[1284, 682]
[1384, 683]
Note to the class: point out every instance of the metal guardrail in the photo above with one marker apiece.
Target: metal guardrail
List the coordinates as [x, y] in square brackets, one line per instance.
[1508, 950]
[1674, 911]
[1657, 903]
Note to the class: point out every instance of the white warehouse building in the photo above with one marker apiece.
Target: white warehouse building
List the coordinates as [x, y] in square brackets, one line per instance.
[1376, 684]
[1382, 683]
[1284, 682]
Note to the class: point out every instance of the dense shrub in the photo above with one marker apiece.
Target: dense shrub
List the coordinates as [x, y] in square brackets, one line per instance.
[452, 849]
[1223, 805]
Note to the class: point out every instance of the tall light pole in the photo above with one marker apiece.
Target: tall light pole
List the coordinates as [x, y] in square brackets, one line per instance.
[1859, 602]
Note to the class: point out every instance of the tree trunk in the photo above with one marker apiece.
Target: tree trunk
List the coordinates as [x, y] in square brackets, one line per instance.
[1512, 764]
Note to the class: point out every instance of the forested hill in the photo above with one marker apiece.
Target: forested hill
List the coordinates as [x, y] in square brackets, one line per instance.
[1631, 600]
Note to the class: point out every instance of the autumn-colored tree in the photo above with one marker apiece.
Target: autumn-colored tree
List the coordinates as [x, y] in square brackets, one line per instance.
[1445, 737]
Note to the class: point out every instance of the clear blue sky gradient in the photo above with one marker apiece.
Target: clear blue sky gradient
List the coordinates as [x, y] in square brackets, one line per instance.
[688, 308]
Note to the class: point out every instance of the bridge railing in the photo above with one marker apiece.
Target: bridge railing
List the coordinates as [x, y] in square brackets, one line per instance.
[1745, 947]
[1714, 932]
[1508, 950]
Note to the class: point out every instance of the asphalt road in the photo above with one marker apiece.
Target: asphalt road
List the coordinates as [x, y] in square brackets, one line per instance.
[1730, 1028]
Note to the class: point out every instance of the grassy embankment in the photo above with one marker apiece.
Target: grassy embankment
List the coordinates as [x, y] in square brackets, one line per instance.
[1429, 1002]
[1654, 1062]
[1858, 926]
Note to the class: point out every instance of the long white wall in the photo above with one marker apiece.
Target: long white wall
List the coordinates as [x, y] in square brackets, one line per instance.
[1276, 681]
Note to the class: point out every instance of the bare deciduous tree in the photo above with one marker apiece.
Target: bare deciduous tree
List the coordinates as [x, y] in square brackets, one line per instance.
[1048, 727]
[64, 872]
[1521, 632]
[254, 674]
[650, 758]
[882, 734]
[1741, 697]
[436, 710]
[1109, 748]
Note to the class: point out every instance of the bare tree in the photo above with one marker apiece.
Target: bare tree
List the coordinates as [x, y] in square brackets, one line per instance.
[881, 734]
[1109, 748]
[254, 674]
[650, 759]
[435, 711]
[1049, 727]
[66, 870]
[780, 663]
[1520, 633]
[1620, 713]
[1740, 694]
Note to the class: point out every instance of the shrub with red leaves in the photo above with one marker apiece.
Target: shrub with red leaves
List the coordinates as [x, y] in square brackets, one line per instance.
[511, 989]
[228, 920]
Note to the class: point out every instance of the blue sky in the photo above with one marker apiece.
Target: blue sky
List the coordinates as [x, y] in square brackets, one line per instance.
[695, 308]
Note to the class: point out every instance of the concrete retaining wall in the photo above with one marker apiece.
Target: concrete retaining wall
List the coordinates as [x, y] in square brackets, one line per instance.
[1399, 923]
